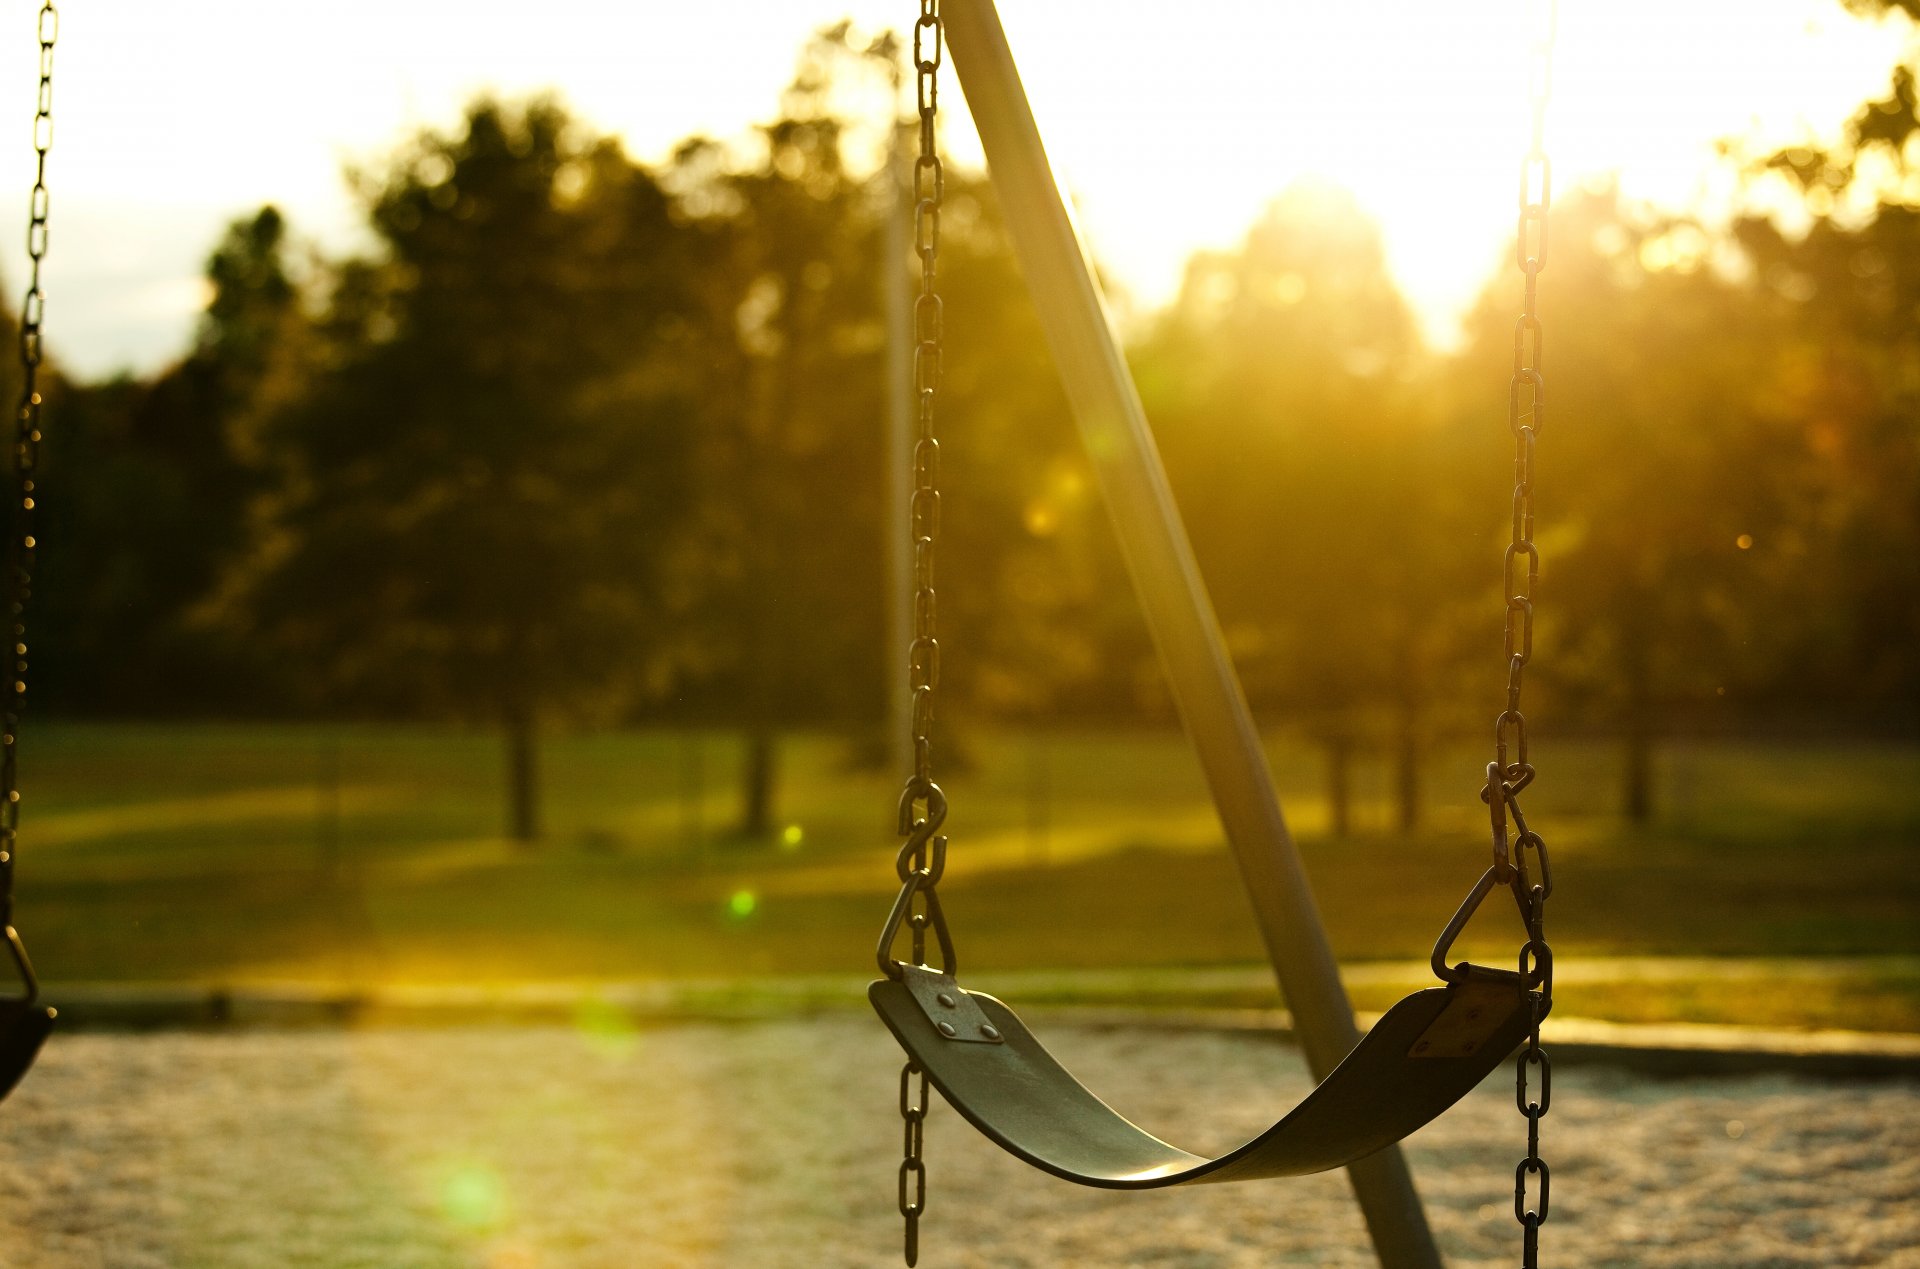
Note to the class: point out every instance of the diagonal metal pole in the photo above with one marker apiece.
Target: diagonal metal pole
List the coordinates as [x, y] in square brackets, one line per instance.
[1167, 579]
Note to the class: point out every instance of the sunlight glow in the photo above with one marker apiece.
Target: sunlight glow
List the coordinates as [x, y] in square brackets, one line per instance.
[1173, 128]
[1419, 109]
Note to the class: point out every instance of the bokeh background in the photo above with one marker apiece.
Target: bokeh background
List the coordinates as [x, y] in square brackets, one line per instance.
[523, 559]
[467, 547]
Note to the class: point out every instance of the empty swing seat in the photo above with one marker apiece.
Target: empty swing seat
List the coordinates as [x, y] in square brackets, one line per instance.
[24, 1027]
[24, 1022]
[1424, 1055]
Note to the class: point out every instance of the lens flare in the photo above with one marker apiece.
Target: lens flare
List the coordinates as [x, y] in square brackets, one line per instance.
[472, 1197]
[606, 1028]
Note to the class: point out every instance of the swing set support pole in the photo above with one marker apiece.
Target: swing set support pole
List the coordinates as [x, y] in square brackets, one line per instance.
[1167, 579]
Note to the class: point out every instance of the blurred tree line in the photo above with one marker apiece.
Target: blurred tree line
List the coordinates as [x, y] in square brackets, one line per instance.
[586, 439]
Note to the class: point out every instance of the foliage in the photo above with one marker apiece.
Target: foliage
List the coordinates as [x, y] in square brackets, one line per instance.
[794, 443]
[582, 437]
[1847, 290]
[487, 440]
[1284, 386]
[145, 504]
[789, 597]
[1672, 464]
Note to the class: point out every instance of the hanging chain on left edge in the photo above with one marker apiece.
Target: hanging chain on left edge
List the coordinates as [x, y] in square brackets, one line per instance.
[21, 543]
[923, 807]
[1531, 884]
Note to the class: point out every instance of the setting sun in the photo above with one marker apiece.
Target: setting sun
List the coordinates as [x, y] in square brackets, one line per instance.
[1172, 133]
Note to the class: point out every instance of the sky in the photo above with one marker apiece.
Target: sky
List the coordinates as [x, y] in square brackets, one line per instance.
[1171, 126]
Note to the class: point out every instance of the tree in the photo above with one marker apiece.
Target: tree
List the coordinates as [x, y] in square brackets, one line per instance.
[1845, 291]
[793, 483]
[474, 486]
[147, 503]
[1283, 385]
[791, 497]
[1674, 465]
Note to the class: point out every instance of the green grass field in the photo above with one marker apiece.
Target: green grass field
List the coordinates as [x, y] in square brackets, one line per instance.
[242, 854]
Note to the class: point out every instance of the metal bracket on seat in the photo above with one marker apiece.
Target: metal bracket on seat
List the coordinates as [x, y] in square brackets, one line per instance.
[1482, 1001]
[953, 1013]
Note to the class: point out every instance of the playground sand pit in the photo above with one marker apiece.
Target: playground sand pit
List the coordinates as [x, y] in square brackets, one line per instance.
[776, 1143]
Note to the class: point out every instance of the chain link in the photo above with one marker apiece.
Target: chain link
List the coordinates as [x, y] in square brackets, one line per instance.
[1527, 870]
[922, 804]
[913, 1172]
[21, 543]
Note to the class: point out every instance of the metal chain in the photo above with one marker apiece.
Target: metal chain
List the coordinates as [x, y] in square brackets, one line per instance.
[21, 543]
[923, 806]
[913, 1172]
[1532, 882]
[929, 187]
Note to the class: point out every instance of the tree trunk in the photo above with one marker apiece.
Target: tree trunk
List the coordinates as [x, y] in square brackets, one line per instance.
[1406, 773]
[756, 801]
[1339, 784]
[764, 484]
[1409, 694]
[327, 810]
[693, 792]
[1637, 665]
[1039, 798]
[523, 792]
[1638, 793]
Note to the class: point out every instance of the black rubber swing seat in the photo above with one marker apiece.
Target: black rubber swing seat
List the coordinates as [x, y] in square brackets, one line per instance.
[1424, 1055]
[24, 1022]
[24, 1027]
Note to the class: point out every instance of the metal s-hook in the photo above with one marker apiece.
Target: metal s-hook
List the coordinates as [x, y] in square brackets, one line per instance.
[1497, 794]
[920, 863]
[922, 831]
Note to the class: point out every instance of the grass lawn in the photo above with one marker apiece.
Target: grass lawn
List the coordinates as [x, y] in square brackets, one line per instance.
[247, 853]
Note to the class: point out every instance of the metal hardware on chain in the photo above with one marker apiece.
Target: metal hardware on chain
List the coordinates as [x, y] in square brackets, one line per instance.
[1525, 866]
[21, 543]
[923, 807]
[921, 861]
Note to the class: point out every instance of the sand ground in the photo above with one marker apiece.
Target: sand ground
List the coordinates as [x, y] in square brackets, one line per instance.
[775, 1144]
